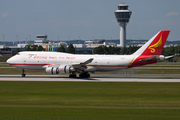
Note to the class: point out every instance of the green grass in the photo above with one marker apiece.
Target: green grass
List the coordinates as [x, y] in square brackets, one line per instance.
[89, 100]
[3, 64]
[17, 71]
[4, 58]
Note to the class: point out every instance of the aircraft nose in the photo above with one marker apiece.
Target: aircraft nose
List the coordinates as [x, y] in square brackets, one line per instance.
[9, 60]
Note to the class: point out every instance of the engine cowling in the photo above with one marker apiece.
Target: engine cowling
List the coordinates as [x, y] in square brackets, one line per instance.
[48, 70]
[64, 69]
[55, 70]
[51, 70]
[59, 69]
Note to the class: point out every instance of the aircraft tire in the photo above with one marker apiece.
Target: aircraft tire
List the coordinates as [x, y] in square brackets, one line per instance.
[23, 75]
[88, 75]
[84, 75]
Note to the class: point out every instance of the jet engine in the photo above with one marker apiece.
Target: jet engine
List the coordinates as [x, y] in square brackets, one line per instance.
[59, 69]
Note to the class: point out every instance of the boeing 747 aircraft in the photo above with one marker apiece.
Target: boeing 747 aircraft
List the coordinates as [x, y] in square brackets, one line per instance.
[58, 62]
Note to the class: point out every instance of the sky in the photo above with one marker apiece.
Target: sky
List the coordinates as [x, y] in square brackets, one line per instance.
[86, 19]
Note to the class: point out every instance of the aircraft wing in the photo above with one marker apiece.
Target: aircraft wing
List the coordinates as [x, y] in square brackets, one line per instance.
[79, 67]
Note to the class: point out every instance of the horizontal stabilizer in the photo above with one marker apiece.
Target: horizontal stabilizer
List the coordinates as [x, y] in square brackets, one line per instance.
[155, 57]
[168, 57]
[149, 59]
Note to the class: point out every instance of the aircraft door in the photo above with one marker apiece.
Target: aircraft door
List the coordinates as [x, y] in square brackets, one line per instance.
[110, 60]
[24, 60]
[97, 60]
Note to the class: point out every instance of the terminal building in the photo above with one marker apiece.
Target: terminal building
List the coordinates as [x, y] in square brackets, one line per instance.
[46, 44]
[86, 47]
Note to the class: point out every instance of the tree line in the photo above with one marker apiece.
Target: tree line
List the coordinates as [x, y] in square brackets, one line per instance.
[172, 50]
[167, 51]
[70, 49]
[115, 50]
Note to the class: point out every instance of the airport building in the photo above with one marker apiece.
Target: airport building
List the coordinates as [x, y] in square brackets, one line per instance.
[46, 44]
[122, 15]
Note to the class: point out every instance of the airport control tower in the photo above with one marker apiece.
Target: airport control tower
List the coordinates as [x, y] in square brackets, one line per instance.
[122, 15]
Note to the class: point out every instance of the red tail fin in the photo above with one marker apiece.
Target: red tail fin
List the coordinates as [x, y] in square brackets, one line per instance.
[155, 45]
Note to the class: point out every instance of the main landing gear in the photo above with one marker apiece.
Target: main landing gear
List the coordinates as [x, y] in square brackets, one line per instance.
[81, 75]
[84, 75]
[23, 74]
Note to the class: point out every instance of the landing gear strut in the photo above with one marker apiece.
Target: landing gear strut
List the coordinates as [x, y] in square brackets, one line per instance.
[23, 74]
[84, 75]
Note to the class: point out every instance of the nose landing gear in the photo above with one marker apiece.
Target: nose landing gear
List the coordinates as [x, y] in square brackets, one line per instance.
[23, 74]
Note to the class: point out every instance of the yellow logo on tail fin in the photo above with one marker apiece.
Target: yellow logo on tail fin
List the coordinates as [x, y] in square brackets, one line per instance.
[156, 45]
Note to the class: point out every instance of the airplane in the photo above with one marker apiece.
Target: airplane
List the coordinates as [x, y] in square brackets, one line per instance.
[58, 62]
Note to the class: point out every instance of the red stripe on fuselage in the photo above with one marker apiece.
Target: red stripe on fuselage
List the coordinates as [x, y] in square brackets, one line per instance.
[15, 64]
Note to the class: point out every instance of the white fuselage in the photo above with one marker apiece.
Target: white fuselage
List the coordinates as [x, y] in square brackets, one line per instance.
[38, 60]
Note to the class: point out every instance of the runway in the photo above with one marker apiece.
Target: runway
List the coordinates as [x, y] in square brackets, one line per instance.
[91, 79]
